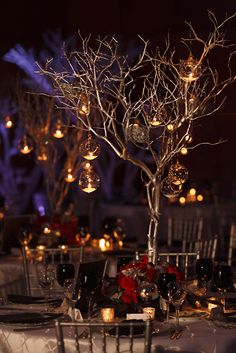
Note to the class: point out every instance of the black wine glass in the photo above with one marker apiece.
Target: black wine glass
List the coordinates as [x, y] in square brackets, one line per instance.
[163, 288]
[204, 271]
[65, 274]
[223, 278]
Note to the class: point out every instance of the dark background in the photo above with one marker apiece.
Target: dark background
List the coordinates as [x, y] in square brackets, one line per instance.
[25, 21]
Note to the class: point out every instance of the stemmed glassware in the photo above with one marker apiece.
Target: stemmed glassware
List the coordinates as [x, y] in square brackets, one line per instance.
[65, 274]
[204, 272]
[46, 277]
[163, 288]
[223, 278]
[177, 295]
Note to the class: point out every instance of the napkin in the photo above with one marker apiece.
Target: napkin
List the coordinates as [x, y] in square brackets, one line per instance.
[26, 299]
[28, 317]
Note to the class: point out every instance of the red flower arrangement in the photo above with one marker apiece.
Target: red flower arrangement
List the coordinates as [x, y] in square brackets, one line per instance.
[131, 276]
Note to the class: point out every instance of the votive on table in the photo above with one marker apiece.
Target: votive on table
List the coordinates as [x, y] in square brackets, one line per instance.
[151, 311]
[107, 314]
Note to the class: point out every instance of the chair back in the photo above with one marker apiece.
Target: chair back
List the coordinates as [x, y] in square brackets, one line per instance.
[185, 261]
[114, 337]
[180, 229]
[205, 247]
[232, 243]
[33, 259]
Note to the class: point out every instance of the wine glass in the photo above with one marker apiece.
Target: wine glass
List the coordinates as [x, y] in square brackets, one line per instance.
[177, 295]
[65, 274]
[204, 272]
[163, 288]
[46, 277]
[223, 278]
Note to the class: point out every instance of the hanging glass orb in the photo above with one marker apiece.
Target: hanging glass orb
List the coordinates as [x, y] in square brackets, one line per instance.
[169, 189]
[42, 153]
[138, 133]
[69, 177]
[89, 181]
[156, 118]
[188, 138]
[178, 173]
[83, 107]
[170, 127]
[89, 149]
[25, 145]
[58, 131]
[189, 70]
[8, 122]
[184, 151]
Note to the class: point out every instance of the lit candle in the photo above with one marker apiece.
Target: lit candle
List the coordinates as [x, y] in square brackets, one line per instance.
[150, 311]
[107, 314]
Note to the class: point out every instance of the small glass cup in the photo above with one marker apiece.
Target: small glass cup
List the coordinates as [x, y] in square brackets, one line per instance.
[107, 314]
[151, 311]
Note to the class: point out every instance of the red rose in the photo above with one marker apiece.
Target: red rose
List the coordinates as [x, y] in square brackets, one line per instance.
[128, 283]
[129, 297]
[174, 269]
[150, 273]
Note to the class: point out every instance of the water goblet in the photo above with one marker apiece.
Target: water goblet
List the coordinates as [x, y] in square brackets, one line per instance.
[177, 295]
[223, 279]
[162, 284]
[65, 274]
[46, 277]
[204, 272]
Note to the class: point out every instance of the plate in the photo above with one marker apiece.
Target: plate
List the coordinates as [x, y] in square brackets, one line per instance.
[29, 318]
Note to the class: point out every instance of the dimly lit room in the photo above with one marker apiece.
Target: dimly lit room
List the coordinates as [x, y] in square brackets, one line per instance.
[117, 176]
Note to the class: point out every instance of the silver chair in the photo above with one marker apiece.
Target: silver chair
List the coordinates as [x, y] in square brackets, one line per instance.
[205, 247]
[179, 229]
[33, 259]
[232, 243]
[185, 261]
[92, 337]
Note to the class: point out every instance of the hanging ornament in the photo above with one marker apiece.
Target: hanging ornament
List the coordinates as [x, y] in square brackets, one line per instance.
[184, 151]
[89, 149]
[188, 138]
[58, 131]
[169, 189]
[8, 122]
[189, 70]
[69, 177]
[83, 107]
[156, 117]
[89, 181]
[170, 127]
[42, 153]
[25, 145]
[138, 133]
[178, 173]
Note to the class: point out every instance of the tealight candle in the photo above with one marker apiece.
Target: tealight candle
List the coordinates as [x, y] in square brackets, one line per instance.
[211, 305]
[150, 311]
[107, 314]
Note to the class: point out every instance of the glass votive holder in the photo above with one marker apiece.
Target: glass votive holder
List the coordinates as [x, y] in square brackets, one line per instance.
[107, 314]
[150, 311]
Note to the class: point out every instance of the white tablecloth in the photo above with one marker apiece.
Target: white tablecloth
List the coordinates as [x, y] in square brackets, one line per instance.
[199, 336]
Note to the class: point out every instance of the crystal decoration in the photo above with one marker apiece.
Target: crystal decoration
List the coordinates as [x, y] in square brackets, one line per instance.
[58, 131]
[178, 173]
[69, 177]
[138, 133]
[169, 189]
[89, 181]
[83, 107]
[25, 145]
[8, 122]
[89, 149]
[42, 151]
[189, 70]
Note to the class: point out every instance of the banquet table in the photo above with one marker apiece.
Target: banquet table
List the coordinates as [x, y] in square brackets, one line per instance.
[199, 336]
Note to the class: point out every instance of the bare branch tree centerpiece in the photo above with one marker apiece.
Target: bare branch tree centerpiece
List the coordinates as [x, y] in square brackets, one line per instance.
[153, 102]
